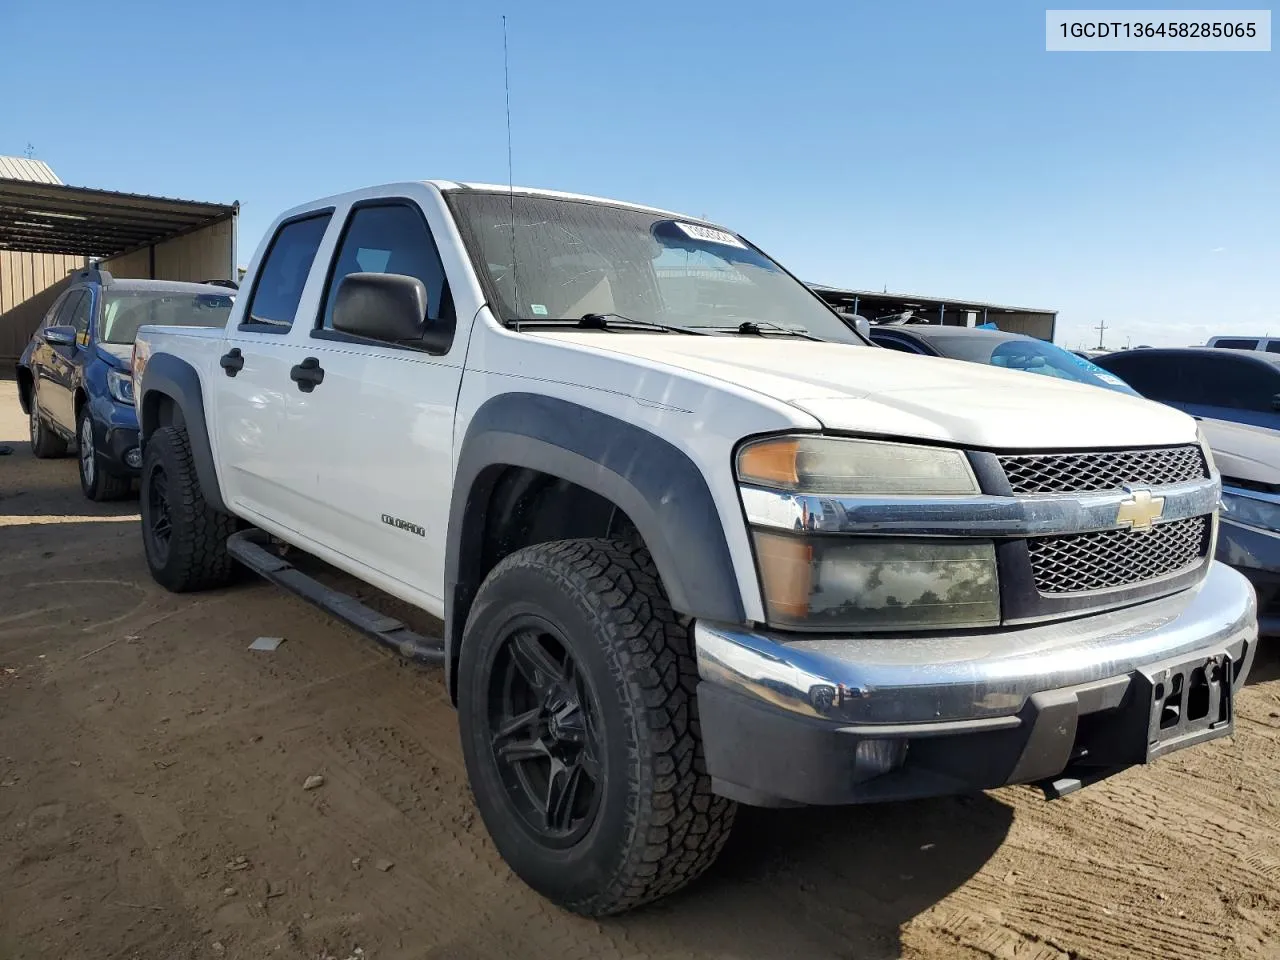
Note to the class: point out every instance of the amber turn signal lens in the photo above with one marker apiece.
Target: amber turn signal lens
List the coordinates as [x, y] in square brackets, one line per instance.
[771, 462]
[786, 567]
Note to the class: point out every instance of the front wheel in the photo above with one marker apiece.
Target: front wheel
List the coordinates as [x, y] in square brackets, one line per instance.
[580, 728]
[95, 482]
[185, 539]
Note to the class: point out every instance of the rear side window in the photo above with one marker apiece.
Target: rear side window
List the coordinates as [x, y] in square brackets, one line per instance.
[1237, 344]
[1273, 346]
[278, 287]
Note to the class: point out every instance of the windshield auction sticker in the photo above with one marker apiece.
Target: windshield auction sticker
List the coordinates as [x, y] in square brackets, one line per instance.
[698, 232]
[1167, 31]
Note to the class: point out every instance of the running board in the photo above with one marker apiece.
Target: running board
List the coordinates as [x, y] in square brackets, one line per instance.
[250, 547]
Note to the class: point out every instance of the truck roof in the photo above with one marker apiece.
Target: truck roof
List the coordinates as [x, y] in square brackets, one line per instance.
[447, 186]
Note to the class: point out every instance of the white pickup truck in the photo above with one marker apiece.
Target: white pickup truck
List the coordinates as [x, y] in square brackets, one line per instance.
[693, 540]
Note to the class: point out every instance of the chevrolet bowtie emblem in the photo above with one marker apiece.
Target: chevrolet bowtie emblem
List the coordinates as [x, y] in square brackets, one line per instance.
[1139, 509]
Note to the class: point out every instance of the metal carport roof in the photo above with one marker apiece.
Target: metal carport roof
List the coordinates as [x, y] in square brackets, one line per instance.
[52, 218]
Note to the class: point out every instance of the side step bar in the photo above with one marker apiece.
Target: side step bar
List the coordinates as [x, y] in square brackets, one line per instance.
[250, 547]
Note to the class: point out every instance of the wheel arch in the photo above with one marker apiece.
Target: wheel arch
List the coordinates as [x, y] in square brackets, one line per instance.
[171, 395]
[26, 386]
[648, 483]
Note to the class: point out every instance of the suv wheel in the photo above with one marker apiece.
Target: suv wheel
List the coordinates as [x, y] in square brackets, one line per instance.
[185, 539]
[96, 483]
[580, 731]
[45, 443]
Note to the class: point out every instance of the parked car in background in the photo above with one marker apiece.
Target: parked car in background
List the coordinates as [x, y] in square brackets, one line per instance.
[1223, 384]
[1012, 351]
[1249, 528]
[1266, 344]
[74, 378]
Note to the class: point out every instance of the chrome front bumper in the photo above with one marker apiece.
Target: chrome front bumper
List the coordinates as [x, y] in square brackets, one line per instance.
[953, 682]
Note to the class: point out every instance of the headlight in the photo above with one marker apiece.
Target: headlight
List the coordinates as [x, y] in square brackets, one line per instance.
[839, 466]
[120, 386]
[854, 584]
[857, 584]
[1251, 508]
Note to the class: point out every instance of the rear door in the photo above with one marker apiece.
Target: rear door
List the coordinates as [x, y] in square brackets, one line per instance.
[370, 446]
[253, 394]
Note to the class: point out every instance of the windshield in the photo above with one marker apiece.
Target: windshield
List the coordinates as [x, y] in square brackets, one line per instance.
[126, 310]
[1031, 356]
[574, 258]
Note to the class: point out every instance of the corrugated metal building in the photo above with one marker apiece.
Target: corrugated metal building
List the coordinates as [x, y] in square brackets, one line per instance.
[49, 230]
[878, 306]
[29, 282]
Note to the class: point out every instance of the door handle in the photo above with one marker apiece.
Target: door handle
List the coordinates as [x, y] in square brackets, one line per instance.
[307, 374]
[232, 362]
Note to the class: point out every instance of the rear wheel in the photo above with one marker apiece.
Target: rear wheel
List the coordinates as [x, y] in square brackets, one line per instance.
[184, 538]
[96, 483]
[580, 730]
[45, 444]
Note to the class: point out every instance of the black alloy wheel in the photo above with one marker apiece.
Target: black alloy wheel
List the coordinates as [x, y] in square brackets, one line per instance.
[159, 525]
[544, 733]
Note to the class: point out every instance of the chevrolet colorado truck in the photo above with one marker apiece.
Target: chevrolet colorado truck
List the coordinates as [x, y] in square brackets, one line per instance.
[694, 541]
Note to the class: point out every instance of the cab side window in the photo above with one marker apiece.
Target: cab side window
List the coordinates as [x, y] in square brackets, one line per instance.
[394, 238]
[283, 275]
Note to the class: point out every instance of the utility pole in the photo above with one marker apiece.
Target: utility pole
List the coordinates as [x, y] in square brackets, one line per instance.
[1101, 328]
[31, 151]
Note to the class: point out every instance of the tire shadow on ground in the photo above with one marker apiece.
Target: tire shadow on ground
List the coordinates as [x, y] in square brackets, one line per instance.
[834, 881]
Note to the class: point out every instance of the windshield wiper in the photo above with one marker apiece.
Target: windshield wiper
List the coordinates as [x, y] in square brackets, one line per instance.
[759, 326]
[600, 321]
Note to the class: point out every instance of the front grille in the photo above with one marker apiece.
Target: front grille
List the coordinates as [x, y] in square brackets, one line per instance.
[1116, 558]
[1073, 472]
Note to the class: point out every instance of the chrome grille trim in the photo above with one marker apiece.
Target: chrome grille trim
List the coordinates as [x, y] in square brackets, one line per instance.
[1038, 473]
[980, 516]
[1106, 559]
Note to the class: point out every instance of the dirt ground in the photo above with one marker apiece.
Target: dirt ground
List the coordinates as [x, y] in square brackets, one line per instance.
[152, 803]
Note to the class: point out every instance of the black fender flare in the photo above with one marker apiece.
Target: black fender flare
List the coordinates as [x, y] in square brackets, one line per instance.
[655, 483]
[169, 376]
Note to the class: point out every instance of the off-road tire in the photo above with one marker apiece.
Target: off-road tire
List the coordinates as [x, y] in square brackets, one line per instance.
[45, 444]
[658, 825]
[95, 482]
[196, 557]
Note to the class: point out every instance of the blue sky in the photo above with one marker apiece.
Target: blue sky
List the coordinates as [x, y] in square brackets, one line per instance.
[927, 147]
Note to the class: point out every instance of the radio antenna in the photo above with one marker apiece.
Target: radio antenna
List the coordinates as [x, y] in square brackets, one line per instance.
[511, 183]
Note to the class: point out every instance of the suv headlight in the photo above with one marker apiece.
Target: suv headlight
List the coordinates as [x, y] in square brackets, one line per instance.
[854, 583]
[120, 385]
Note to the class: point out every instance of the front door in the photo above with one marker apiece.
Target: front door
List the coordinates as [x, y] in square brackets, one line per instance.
[371, 444]
[57, 397]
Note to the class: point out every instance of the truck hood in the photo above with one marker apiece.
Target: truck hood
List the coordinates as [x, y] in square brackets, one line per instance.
[879, 391]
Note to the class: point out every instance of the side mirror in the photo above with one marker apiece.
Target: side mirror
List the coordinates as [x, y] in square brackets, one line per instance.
[863, 326]
[381, 306]
[60, 336]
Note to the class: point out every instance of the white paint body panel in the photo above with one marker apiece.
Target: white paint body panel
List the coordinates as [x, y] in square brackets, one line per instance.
[382, 433]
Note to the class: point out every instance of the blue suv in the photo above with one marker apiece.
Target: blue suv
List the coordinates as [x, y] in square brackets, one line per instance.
[74, 378]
